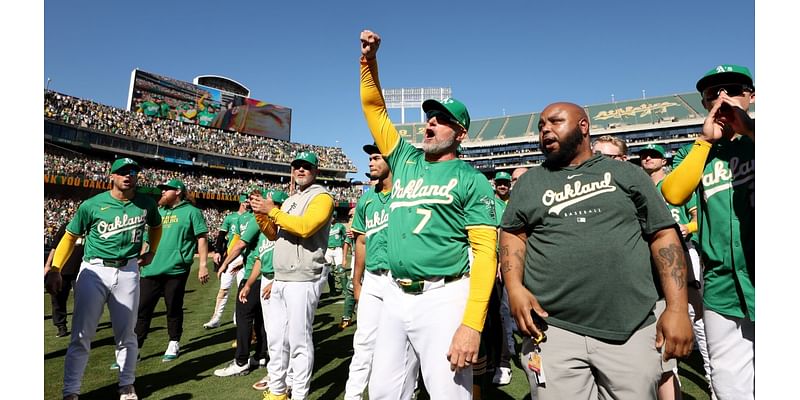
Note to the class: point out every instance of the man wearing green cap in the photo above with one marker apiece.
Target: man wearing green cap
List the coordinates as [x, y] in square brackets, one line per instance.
[184, 234]
[442, 242]
[113, 226]
[227, 231]
[300, 230]
[719, 167]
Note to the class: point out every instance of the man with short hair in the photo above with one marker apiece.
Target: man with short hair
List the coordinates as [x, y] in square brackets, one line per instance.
[516, 174]
[300, 230]
[113, 225]
[501, 330]
[442, 209]
[184, 234]
[334, 255]
[371, 276]
[556, 215]
[720, 169]
[611, 146]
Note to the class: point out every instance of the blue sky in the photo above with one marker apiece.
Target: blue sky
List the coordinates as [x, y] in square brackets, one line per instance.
[498, 57]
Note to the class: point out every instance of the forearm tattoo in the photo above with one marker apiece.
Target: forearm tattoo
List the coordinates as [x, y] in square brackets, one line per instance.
[671, 263]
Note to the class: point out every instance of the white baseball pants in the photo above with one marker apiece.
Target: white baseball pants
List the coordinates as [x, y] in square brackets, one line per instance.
[96, 286]
[731, 349]
[427, 322]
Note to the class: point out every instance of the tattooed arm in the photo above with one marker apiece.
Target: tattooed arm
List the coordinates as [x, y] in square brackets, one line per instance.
[512, 264]
[673, 330]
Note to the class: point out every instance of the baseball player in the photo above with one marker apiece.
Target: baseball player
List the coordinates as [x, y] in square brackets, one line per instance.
[248, 306]
[720, 169]
[441, 210]
[300, 229]
[334, 255]
[184, 234]
[227, 230]
[113, 224]
[346, 276]
[369, 230]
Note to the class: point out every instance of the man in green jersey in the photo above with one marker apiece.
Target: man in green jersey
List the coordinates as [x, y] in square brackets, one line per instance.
[720, 169]
[334, 255]
[248, 306]
[113, 225]
[227, 230]
[346, 275]
[184, 234]
[582, 230]
[442, 243]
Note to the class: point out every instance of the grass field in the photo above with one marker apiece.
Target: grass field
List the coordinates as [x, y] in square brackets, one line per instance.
[203, 351]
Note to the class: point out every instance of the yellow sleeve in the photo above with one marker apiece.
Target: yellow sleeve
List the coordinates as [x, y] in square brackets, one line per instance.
[317, 214]
[63, 250]
[681, 182]
[374, 107]
[233, 242]
[154, 233]
[692, 226]
[267, 227]
[483, 242]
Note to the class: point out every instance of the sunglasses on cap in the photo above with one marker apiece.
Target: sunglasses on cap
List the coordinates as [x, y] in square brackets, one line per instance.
[441, 117]
[304, 165]
[732, 89]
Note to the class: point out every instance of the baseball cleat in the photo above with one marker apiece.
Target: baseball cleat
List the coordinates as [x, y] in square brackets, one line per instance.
[62, 331]
[270, 396]
[233, 369]
[211, 324]
[173, 349]
[262, 384]
[345, 323]
[127, 393]
[502, 376]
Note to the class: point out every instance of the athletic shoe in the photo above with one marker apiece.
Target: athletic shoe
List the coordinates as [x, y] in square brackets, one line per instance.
[173, 349]
[502, 376]
[62, 331]
[214, 323]
[71, 396]
[345, 323]
[269, 396]
[127, 393]
[233, 370]
[262, 384]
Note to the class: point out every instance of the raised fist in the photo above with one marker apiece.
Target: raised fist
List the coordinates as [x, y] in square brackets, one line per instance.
[370, 41]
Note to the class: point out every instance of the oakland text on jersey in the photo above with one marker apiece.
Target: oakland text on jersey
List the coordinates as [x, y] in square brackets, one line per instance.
[576, 192]
[416, 188]
[738, 173]
[119, 225]
[378, 222]
[266, 247]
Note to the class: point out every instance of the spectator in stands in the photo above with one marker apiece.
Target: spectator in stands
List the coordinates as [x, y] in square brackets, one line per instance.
[720, 168]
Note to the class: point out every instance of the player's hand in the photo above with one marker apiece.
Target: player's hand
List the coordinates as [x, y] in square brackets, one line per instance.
[217, 258]
[261, 205]
[350, 233]
[243, 294]
[736, 117]
[356, 290]
[463, 350]
[522, 302]
[267, 291]
[52, 282]
[674, 337]
[370, 41]
[684, 229]
[713, 125]
[202, 274]
[145, 259]
[221, 271]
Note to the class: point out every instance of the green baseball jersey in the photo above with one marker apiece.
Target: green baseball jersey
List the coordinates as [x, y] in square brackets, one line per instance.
[338, 233]
[150, 109]
[681, 214]
[499, 209]
[230, 224]
[587, 258]
[264, 251]
[432, 206]
[204, 117]
[726, 226]
[249, 234]
[180, 227]
[371, 220]
[114, 229]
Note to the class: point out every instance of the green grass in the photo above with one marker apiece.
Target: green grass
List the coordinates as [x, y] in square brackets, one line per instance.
[203, 351]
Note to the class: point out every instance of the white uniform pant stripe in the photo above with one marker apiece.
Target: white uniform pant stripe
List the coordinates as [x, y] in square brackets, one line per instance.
[96, 286]
[291, 308]
[428, 322]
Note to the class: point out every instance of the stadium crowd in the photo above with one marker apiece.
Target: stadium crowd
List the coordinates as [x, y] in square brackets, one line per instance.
[87, 114]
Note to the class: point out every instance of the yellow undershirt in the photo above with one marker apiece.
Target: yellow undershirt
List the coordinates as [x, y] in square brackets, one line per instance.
[313, 219]
[682, 181]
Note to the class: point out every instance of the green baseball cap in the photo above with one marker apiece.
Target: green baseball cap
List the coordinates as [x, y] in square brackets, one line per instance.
[278, 196]
[243, 198]
[122, 163]
[451, 106]
[502, 176]
[725, 73]
[173, 184]
[653, 147]
[306, 156]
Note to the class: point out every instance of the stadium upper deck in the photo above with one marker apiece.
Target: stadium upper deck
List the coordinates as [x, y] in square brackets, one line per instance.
[508, 142]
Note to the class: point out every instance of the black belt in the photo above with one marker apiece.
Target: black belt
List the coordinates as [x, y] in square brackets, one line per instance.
[416, 287]
[119, 263]
[379, 271]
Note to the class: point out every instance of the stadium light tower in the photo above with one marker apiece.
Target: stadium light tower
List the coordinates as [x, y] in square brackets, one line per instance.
[403, 98]
[47, 87]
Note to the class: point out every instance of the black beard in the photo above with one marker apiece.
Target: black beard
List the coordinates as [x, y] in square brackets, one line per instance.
[566, 152]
